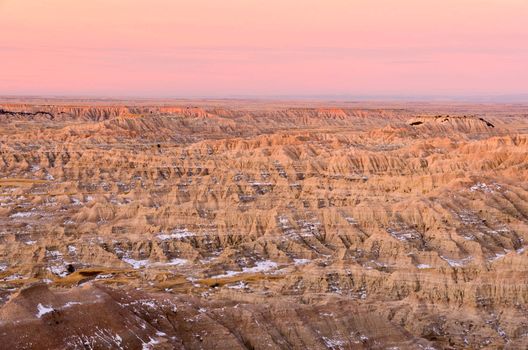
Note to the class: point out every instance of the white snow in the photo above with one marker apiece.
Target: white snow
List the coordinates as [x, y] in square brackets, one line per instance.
[14, 277]
[261, 183]
[22, 214]
[118, 340]
[70, 304]
[362, 293]
[333, 343]
[175, 234]
[239, 285]
[260, 266]
[403, 234]
[42, 310]
[136, 264]
[301, 261]
[53, 253]
[497, 256]
[178, 261]
[149, 303]
[150, 344]
[481, 186]
[228, 274]
[309, 228]
[283, 220]
[423, 266]
[457, 263]
[351, 220]
[58, 270]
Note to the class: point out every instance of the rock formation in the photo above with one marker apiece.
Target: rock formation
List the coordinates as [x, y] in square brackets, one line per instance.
[263, 226]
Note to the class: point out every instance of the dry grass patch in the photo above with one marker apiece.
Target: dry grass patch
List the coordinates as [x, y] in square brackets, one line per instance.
[248, 278]
[83, 275]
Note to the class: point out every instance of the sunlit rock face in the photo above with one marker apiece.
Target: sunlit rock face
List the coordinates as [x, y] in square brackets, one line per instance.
[263, 226]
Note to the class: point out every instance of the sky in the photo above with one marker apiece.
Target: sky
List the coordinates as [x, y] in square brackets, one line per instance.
[213, 48]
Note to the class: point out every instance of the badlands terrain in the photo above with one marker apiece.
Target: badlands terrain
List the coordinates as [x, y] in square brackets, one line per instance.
[252, 225]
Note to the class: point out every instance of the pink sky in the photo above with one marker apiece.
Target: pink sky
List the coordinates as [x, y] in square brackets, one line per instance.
[176, 48]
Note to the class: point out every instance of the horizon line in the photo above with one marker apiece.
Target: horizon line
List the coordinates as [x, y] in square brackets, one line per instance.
[480, 98]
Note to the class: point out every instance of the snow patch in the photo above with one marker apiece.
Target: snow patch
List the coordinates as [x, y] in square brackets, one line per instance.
[175, 234]
[70, 304]
[58, 270]
[150, 344]
[22, 214]
[14, 277]
[301, 261]
[42, 310]
[457, 263]
[177, 262]
[334, 343]
[53, 253]
[239, 285]
[481, 186]
[136, 264]
[497, 256]
[260, 266]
